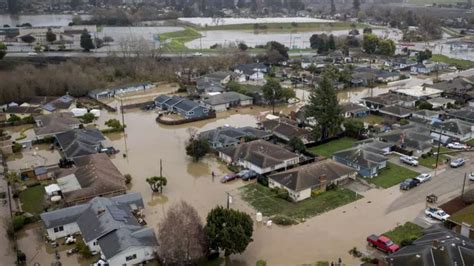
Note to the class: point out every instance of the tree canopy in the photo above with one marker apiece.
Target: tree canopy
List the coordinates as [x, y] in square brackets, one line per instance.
[157, 183]
[423, 55]
[228, 230]
[3, 50]
[354, 128]
[273, 92]
[50, 36]
[86, 41]
[197, 148]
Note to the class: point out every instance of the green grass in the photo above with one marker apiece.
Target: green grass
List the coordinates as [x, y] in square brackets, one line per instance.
[430, 161]
[372, 119]
[288, 27]
[393, 174]
[175, 41]
[470, 142]
[465, 215]
[328, 149]
[458, 63]
[427, 2]
[408, 231]
[32, 199]
[262, 199]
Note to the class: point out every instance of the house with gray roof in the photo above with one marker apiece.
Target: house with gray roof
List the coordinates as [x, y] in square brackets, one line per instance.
[80, 142]
[453, 128]
[300, 181]
[111, 92]
[254, 71]
[354, 110]
[466, 114]
[226, 100]
[410, 138]
[375, 103]
[260, 156]
[437, 246]
[111, 226]
[365, 161]
[55, 123]
[395, 112]
[205, 85]
[182, 106]
[224, 137]
[64, 103]
[286, 129]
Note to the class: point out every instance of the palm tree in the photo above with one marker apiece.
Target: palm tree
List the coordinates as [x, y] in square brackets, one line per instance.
[157, 183]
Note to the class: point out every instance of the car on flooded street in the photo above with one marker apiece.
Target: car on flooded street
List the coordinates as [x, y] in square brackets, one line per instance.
[424, 177]
[437, 214]
[409, 183]
[229, 177]
[457, 163]
[247, 175]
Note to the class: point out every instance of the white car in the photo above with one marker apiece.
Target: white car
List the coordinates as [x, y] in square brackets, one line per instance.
[436, 213]
[424, 177]
[471, 176]
[409, 160]
[32, 54]
[457, 146]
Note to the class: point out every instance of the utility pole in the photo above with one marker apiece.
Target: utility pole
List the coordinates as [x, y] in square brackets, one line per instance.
[463, 186]
[123, 116]
[161, 168]
[229, 200]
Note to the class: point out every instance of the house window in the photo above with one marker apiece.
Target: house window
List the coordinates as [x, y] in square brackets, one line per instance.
[58, 229]
[191, 113]
[131, 257]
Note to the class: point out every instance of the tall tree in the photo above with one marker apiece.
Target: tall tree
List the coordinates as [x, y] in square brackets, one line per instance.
[197, 148]
[387, 47]
[157, 183]
[324, 107]
[228, 230]
[331, 43]
[86, 41]
[50, 36]
[181, 236]
[370, 43]
[333, 7]
[273, 92]
[3, 50]
[356, 6]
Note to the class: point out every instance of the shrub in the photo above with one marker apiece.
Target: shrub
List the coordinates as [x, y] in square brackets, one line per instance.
[28, 119]
[403, 122]
[261, 263]
[16, 147]
[281, 193]
[233, 168]
[263, 180]
[18, 222]
[20, 256]
[283, 220]
[128, 178]
[84, 250]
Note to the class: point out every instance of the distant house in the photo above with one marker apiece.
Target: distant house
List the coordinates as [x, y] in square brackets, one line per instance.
[437, 246]
[426, 115]
[260, 156]
[388, 99]
[395, 112]
[80, 142]
[453, 128]
[226, 100]
[55, 123]
[401, 63]
[108, 93]
[182, 106]
[354, 110]
[222, 77]
[366, 162]
[427, 67]
[460, 88]
[107, 225]
[441, 103]
[285, 129]
[62, 104]
[205, 85]
[21, 111]
[254, 72]
[419, 92]
[91, 176]
[224, 137]
[300, 181]
[462, 114]
[410, 138]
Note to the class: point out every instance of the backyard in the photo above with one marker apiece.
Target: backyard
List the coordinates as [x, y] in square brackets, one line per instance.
[408, 231]
[32, 199]
[328, 149]
[393, 174]
[262, 199]
[430, 161]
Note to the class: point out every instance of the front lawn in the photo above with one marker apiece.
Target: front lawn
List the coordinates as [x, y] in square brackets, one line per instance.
[408, 231]
[458, 63]
[393, 174]
[262, 199]
[372, 119]
[32, 199]
[430, 161]
[328, 149]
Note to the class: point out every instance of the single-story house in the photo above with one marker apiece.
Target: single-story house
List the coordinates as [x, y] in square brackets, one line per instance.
[108, 93]
[466, 114]
[427, 67]
[226, 100]
[110, 226]
[395, 112]
[222, 77]
[354, 110]
[426, 115]
[55, 123]
[62, 104]
[286, 129]
[401, 63]
[388, 99]
[224, 137]
[441, 103]
[80, 142]
[255, 71]
[365, 161]
[22, 111]
[91, 176]
[453, 128]
[300, 181]
[184, 107]
[205, 85]
[260, 156]
[460, 88]
[419, 92]
[414, 139]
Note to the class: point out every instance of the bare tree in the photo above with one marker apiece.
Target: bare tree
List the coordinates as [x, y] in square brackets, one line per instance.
[181, 236]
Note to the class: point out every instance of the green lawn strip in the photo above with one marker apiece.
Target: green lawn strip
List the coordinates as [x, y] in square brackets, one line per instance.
[407, 231]
[430, 161]
[465, 215]
[22, 133]
[32, 199]
[262, 199]
[372, 119]
[288, 27]
[175, 41]
[328, 149]
[458, 63]
[393, 174]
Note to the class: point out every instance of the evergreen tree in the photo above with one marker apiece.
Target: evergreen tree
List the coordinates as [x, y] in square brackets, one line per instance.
[324, 107]
[331, 43]
[3, 50]
[50, 36]
[86, 41]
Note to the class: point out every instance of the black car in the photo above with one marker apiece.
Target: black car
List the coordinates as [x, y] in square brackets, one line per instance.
[409, 183]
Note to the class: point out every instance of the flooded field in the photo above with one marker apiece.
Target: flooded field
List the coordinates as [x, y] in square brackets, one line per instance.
[201, 21]
[39, 20]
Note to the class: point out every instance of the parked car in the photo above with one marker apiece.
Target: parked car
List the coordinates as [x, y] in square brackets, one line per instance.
[471, 176]
[409, 160]
[424, 177]
[409, 183]
[436, 213]
[247, 175]
[229, 177]
[383, 243]
[457, 163]
[457, 146]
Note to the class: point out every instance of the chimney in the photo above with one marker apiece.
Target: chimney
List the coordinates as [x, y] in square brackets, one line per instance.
[323, 180]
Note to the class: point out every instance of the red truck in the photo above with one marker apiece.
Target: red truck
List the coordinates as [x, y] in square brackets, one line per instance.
[383, 243]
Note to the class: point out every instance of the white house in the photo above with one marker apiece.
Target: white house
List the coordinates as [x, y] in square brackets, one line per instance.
[226, 100]
[107, 225]
[260, 156]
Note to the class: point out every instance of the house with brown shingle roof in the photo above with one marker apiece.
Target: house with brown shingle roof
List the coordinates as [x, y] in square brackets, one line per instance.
[55, 123]
[260, 156]
[300, 181]
[92, 176]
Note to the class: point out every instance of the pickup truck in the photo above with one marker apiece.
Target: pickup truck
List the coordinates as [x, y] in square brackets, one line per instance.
[409, 160]
[383, 243]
